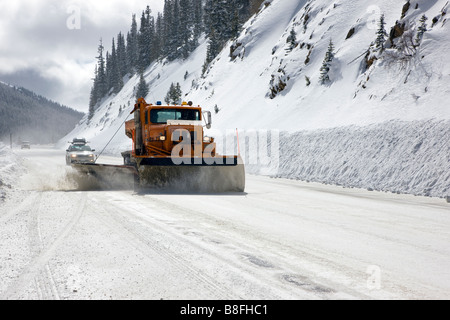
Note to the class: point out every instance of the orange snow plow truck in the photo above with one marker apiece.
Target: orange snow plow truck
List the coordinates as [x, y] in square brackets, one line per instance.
[170, 151]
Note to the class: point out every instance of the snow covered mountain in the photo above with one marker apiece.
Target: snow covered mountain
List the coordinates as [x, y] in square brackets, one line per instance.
[393, 97]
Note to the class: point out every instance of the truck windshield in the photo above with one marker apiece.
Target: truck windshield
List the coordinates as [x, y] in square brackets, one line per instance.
[163, 115]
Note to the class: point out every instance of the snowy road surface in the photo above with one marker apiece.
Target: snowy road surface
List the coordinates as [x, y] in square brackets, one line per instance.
[281, 239]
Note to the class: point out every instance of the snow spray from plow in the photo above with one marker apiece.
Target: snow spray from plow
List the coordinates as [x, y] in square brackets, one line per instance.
[104, 177]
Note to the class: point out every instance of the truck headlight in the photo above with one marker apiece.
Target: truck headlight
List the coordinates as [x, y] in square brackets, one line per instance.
[73, 156]
[162, 138]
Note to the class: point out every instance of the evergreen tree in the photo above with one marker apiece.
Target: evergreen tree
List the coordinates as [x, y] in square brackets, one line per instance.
[185, 28]
[218, 18]
[116, 82]
[421, 29]
[292, 39]
[178, 93]
[168, 97]
[158, 41]
[143, 45]
[108, 72]
[121, 55]
[91, 104]
[244, 10]
[132, 47]
[213, 49]
[235, 23]
[102, 88]
[324, 70]
[173, 96]
[168, 32]
[142, 89]
[175, 28]
[93, 97]
[222, 22]
[197, 9]
[150, 36]
[381, 34]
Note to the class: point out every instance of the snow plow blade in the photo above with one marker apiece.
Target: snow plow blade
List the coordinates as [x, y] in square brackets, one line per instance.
[161, 174]
[105, 176]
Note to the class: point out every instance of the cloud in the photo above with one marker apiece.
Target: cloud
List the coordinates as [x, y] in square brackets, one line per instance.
[49, 46]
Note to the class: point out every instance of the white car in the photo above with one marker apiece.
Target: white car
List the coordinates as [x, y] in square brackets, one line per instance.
[79, 153]
[25, 145]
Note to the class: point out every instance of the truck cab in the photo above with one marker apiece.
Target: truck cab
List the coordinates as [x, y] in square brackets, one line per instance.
[163, 127]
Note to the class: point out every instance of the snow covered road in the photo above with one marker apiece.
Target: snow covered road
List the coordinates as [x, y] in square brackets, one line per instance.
[282, 239]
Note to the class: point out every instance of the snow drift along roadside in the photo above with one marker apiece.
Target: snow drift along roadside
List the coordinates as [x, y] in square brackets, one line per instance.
[10, 166]
[397, 156]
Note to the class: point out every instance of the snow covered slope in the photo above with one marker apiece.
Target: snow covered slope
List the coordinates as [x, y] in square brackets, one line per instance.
[260, 81]
[416, 89]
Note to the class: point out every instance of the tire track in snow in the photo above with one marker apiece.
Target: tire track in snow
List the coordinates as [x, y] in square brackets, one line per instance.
[149, 243]
[258, 274]
[258, 258]
[23, 205]
[260, 268]
[38, 273]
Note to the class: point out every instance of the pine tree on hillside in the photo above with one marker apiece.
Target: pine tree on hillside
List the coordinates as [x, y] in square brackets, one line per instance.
[235, 23]
[158, 42]
[222, 22]
[186, 28]
[142, 89]
[421, 29]
[132, 47]
[292, 39]
[218, 18]
[324, 70]
[170, 29]
[198, 26]
[93, 97]
[116, 82]
[121, 55]
[173, 96]
[213, 49]
[144, 44]
[381, 34]
[108, 72]
[173, 34]
[151, 37]
[102, 88]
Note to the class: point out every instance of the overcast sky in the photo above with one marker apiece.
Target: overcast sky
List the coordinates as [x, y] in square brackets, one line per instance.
[49, 46]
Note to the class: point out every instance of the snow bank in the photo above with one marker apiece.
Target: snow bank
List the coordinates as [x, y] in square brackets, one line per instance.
[9, 169]
[397, 156]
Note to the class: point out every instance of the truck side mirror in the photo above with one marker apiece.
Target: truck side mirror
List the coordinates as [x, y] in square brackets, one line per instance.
[208, 119]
